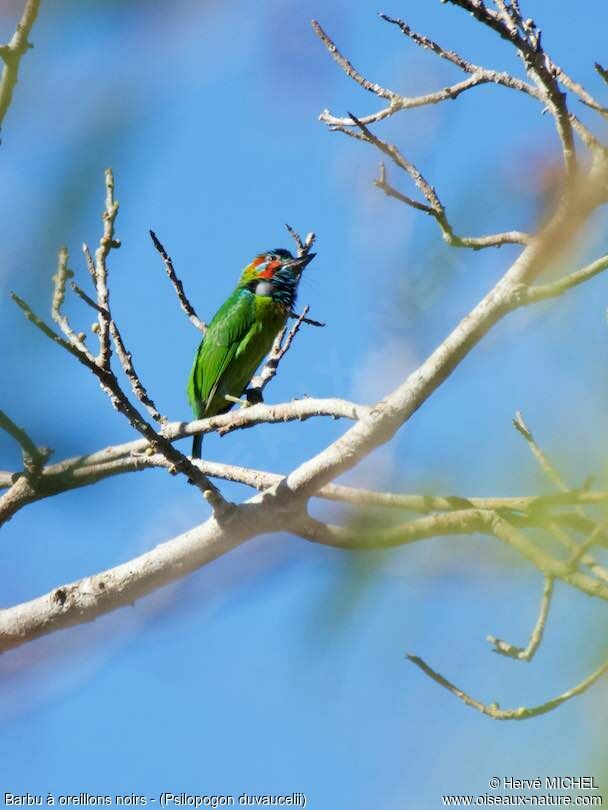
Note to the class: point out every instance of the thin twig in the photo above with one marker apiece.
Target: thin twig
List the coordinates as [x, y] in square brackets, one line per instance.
[59, 281]
[280, 347]
[527, 653]
[126, 361]
[539, 68]
[541, 292]
[33, 457]
[12, 52]
[397, 102]
[581, 552]
[489, 75]
[474, 242]
[346, 66]
[100, 366]
[434, 206]
[303, 247]
[548, 469]
[559, 534]
[493, 710]
[106, 244]
[553, 475]
[284, 339]
[178, 286]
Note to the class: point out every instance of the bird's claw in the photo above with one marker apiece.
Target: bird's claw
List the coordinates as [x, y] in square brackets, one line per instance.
[254, 396]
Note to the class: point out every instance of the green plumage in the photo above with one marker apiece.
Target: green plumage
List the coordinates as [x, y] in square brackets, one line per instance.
[242, 332]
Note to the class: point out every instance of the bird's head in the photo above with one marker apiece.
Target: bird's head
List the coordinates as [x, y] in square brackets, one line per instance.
[275, 273]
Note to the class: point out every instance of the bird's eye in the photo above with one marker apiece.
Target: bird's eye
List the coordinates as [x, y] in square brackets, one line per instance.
[271, 257]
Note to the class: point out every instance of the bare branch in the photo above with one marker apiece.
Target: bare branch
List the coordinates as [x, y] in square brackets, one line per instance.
[404, 103]
[59, 280]
[527, 653]
[556, 531]
[280, 347]
[493, 710]
[140, 454]
[106, 243]
[85, 600]
[488, 75]
[580, 555]
[89, 260]
[434, 207]
[474, 242]
[346, 66]
[33, 457]
[125, 359]
[563, 538]
[178, 286]
[46, 329]
[539, 68]
[93, 596]
[543, 462]
[110, 385]
[12, 52]
[303, 247]
[138, 387]
[100, 366]
[479, 75]
[541, 292]
[579, 90]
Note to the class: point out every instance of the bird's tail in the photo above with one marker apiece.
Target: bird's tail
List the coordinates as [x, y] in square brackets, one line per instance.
[197, 444]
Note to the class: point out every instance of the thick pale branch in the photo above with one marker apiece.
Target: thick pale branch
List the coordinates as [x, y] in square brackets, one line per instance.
[396, 408]
[131, 456]
[85, 600]
[91, 597]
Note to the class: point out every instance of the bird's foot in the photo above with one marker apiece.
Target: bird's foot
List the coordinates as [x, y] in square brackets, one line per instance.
[254, 396]
[237, 401]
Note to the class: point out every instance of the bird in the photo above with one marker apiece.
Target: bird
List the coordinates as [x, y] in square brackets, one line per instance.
[242, 332]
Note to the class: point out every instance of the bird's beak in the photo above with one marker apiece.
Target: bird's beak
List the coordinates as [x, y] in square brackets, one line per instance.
[300, 263]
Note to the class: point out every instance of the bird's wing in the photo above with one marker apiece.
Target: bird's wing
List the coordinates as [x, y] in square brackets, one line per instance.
[218, 348]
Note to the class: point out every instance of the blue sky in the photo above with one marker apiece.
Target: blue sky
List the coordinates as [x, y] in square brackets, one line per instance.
[281, 667]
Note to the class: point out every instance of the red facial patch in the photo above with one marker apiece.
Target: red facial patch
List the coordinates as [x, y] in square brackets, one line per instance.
[257, 261]
[270, 270]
